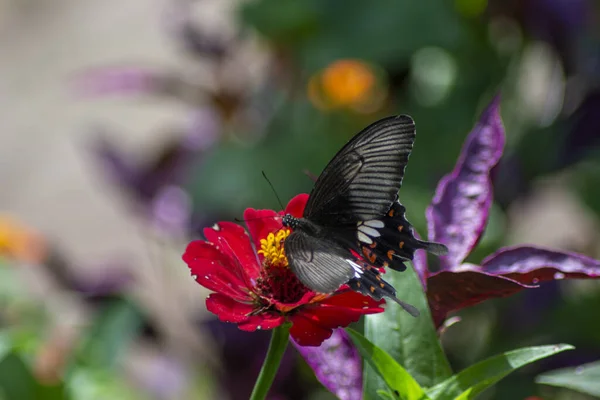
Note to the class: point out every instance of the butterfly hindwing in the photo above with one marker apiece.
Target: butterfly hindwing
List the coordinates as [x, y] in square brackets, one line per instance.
[369, 282]
[362, 181]
[320, 265]
[390, 240]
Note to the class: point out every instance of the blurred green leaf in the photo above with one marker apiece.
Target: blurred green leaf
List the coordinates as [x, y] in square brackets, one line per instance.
[584, 379]
[101, 384]
[585, 179]
[17, 382]
[282, 21]
[475, 379]
[396, 377]
[412, 342]
[112, 331]
[385, 395]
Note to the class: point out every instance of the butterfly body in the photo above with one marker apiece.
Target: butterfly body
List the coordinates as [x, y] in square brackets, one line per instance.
[353, 223]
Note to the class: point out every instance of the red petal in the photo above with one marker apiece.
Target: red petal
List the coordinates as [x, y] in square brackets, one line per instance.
[314, 323]
[296, 205]
[286, 307]
[212, 269]
[262, 321]
[227, 309]
[239, 247]
[307, 332]
[261, 223]
[354, 301]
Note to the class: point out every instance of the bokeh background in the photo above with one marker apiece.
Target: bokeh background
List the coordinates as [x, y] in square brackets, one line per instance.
[128, 126]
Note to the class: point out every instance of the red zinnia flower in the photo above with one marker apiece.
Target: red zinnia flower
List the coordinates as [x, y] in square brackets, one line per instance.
[259, 291]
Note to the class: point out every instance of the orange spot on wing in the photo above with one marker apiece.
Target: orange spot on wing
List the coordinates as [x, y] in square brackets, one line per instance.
[401, 244]
[390, 254]
[391, 213]
[400, 227]
[366, 251]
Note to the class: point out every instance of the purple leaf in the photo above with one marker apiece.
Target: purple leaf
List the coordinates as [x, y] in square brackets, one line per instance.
[172, 210]
[459, 211]
[179, 22]
[171, 166]
[533, 265]
[502, 274]
[102, 81]
[337, 365]
[449, 291]
[117, 166]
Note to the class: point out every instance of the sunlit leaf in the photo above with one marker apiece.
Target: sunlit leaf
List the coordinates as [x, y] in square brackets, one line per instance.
[397, 378]
[412, 342]
[475, 379]
[584, 379]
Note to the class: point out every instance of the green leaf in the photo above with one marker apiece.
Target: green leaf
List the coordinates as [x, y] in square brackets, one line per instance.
[385, 395]
[282, 21]
[475, 379]
[584, 379]
[17, 382]
[412, 342]
[112, 331]
[396, 377]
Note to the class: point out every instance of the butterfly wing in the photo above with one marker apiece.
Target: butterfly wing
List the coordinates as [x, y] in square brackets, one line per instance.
[320, 265]
[324, 267]
[390, 240]
[362, 181]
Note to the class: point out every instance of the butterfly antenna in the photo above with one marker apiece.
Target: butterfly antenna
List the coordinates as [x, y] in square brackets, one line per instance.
[273, 189]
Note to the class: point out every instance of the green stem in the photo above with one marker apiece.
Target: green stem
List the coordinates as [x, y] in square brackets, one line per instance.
[279, 342]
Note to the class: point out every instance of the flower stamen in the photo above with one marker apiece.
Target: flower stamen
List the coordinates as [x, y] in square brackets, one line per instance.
[272, 249]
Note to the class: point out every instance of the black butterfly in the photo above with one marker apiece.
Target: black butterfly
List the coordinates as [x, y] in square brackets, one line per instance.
[354, 207]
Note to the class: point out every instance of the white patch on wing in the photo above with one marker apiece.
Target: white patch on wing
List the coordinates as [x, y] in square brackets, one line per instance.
[374, 223]
[357, 268]
[369, 231]
[363, 238]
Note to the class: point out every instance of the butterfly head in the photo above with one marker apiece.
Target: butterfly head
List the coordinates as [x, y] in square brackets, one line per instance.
[289, 221]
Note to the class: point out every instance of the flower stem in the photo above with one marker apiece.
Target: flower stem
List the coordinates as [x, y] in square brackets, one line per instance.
[279, 342]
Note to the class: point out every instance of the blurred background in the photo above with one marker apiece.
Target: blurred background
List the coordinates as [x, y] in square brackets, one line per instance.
[126, 127]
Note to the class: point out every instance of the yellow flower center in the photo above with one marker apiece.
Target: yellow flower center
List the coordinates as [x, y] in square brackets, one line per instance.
[272, 249]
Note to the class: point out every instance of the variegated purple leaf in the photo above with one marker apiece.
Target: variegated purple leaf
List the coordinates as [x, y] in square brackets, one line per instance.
[459, 211]
[337, 365]
[449, 291]
[533, 265]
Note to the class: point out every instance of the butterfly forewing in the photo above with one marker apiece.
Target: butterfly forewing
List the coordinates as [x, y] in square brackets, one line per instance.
[363, 179]
[320, 265]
